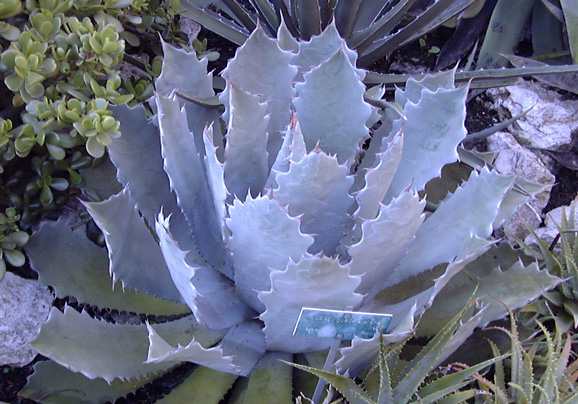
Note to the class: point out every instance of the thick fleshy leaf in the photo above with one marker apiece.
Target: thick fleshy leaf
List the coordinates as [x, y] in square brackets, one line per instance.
[245, 342]
[292, 150]
[264, 223]
[399, 299]
[246, 158]
[185, 72]
[203, 386]
[331, 110]
[210, 295]
[161, 352]
[83, 272]
[134, 256]
[441, 238]
[317, 189]
[137, 157]
[100, 349]
[52, 383]
[262, 68]
[432, 132]
[499, 289]
[184, 167]
[317, 282]
[320, 49]
[215, 178]
[270, 380]
[377, 181]
[385, 241]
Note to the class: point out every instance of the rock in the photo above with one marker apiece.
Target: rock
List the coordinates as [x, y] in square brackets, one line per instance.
[513, 158]
[551, 122]
[24, 307]
[550, 230]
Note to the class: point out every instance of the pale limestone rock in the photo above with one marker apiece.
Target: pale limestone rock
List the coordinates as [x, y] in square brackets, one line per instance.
[24, 307]
[513, 158]
[550, 123]
[550, 229]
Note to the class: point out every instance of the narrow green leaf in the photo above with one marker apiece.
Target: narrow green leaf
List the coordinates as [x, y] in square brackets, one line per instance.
[271, 380]
[350, 390]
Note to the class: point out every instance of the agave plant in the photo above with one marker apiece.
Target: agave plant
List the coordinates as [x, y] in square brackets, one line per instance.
[291, 212]
[373, 28]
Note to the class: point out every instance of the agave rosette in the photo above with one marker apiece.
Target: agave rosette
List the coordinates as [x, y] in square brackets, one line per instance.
[291, 212]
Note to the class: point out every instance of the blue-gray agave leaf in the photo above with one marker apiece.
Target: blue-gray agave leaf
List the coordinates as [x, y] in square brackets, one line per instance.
[331, 110]
[247, 246]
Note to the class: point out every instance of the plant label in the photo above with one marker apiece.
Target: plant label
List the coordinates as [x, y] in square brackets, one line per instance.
[337, 324]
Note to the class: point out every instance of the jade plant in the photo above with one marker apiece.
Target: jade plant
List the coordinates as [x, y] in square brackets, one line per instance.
[311, 199]
[62, 66]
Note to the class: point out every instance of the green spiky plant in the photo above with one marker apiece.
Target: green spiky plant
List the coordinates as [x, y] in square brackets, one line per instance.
[421, 379]
[560, 258]
[290, 212]
[543, 369]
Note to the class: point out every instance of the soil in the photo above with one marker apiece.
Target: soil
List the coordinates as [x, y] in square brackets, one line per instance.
[415, 56]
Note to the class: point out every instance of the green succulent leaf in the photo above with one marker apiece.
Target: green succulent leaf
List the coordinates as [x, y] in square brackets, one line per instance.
[52, 383]
[322, 283]
[203, 386]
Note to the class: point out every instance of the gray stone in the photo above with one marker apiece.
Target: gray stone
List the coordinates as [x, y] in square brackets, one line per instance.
[513, 158]
[24, 307]
[549, 231]
[551, 121]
